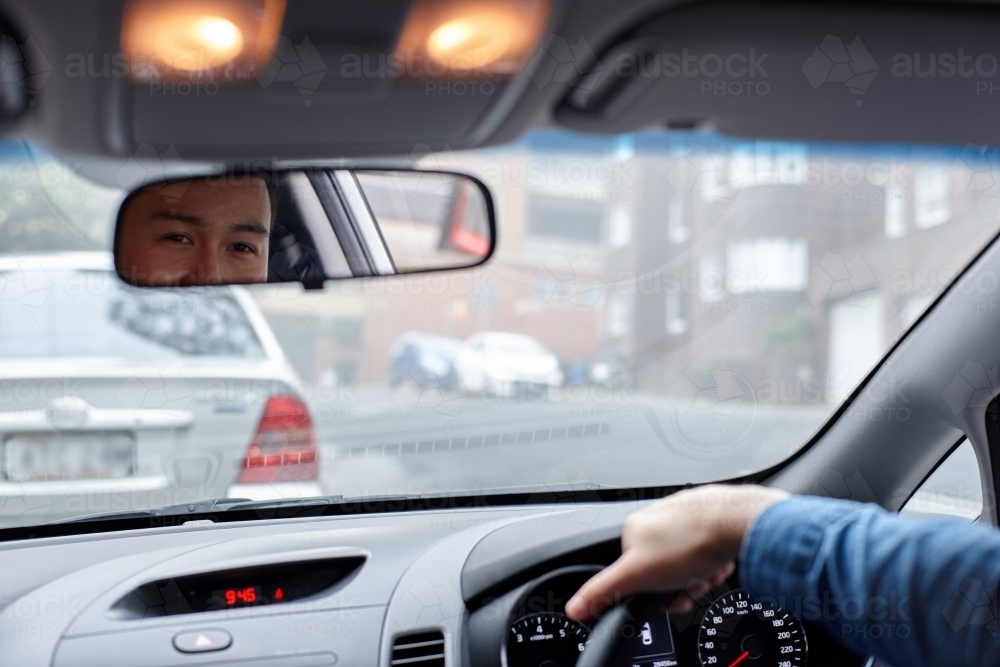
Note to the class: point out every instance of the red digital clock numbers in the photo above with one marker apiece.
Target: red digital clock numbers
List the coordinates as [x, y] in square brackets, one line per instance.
[244, 596]
[250, 595]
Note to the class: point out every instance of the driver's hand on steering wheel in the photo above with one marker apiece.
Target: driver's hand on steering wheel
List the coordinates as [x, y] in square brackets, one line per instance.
[686, 542]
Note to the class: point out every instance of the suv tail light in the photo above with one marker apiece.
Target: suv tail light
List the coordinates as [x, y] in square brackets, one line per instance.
[284, 447]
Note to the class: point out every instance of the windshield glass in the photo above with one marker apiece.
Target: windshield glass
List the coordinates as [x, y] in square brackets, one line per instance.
[663, 308]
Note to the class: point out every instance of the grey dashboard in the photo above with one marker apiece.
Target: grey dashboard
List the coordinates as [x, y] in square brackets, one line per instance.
[59, 593]
[434, 588]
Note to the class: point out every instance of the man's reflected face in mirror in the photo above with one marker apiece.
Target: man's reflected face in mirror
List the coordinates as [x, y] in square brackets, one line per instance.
[205, 231]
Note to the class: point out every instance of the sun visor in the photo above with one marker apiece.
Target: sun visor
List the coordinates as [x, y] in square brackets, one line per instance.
[886, 72]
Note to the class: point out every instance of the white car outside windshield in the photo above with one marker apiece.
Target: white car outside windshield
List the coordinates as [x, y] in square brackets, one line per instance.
[512, 343]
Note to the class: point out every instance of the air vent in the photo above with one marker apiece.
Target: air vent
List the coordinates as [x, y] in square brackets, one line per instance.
[422, 650]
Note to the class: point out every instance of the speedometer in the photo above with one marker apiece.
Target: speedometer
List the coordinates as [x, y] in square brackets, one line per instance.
[548, 639]
[739, 631]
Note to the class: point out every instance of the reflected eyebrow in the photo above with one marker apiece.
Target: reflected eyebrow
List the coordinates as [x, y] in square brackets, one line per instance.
[250, 226]
[179, 217]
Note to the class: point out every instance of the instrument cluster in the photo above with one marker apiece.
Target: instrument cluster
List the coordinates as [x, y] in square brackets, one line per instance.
[726, 629]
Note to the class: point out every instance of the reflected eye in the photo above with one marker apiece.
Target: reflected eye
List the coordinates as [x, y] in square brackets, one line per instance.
[243, 247]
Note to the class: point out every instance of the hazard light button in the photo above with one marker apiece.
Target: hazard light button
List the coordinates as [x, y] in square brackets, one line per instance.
[201, 641]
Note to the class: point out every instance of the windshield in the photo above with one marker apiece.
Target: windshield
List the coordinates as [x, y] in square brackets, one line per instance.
[663, 308]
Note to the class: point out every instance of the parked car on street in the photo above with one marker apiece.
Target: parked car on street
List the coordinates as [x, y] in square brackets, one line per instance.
[113, 397]
[427, 360]
[507, 364]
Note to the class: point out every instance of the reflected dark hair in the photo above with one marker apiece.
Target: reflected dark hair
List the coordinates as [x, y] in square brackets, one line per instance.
[271, 182]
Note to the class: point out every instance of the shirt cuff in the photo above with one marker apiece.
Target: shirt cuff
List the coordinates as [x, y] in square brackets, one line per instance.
[780, 551]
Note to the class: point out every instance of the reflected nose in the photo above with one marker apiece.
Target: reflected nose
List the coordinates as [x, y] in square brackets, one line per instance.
[208, 269]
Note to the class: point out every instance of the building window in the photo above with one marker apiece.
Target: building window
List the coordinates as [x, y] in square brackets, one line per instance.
[619, 315]
[620, 227]
[895, 224]
[677, 312]
[555, 217]
[855, 342]
[767, 265]
[678, 223]
[768, 163]
[931, 202]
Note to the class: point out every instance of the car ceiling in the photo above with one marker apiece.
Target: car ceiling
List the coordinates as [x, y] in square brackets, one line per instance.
[346, 115]
[942, 374]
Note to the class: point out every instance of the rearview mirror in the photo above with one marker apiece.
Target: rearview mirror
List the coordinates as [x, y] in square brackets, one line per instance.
[302, 225]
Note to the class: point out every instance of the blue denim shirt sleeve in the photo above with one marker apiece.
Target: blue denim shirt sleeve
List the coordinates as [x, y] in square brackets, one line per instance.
[913, 592]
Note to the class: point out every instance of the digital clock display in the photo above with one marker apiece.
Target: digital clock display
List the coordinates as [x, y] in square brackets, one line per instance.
[236, 589]
[249, 596]
[244, 596]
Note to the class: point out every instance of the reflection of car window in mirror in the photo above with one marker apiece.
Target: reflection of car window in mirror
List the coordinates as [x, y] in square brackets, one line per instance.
[203, 231]
[428, 220]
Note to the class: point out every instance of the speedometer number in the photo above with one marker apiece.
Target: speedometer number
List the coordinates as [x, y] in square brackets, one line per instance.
[739, 631]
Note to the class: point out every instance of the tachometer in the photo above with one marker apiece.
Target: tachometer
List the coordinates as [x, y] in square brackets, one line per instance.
[739, 631]
[547, 638]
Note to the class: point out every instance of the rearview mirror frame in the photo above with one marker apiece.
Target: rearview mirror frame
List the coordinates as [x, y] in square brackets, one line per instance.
[344, 236]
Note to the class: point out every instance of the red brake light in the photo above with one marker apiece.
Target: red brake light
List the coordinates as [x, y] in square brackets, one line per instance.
[284, 447]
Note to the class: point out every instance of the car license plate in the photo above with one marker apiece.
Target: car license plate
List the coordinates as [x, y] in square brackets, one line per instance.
[68, 455]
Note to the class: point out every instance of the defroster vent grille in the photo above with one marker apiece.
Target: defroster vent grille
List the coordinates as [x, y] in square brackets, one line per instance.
[425, 649]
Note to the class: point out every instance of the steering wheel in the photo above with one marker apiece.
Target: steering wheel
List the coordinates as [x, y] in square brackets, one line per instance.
[608, 645]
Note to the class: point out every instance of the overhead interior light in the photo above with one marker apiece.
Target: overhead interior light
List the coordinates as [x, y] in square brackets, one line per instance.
[460, 38]
[184, 40]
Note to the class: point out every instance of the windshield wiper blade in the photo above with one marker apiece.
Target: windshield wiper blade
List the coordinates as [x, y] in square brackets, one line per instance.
[203, 507]
[180, 509]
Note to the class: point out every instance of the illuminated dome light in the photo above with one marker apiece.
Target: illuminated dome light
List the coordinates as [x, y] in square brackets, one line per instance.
[202, 43]
[471, 42]
[185, 40]
[462, 38]
[218, 34]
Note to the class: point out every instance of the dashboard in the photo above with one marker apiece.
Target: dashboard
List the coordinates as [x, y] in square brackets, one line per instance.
[478, 587]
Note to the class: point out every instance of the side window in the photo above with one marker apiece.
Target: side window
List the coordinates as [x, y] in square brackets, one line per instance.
[954, 489]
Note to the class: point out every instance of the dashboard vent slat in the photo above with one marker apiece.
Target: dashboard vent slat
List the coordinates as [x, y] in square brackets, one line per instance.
[421, 650]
